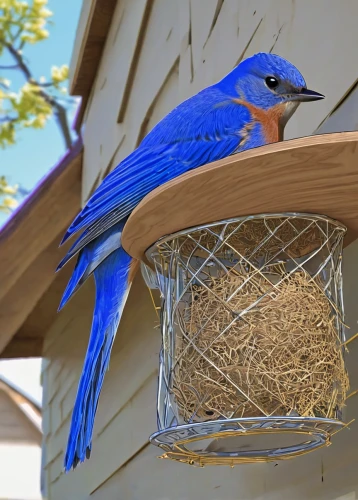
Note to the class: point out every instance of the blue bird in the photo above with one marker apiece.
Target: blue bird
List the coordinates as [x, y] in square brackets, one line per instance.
[247, 108]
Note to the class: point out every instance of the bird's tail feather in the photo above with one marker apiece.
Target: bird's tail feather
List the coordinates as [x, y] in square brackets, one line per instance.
[90, 257]
[113, 279]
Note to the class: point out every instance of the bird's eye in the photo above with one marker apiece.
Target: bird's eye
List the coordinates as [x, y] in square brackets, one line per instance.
[271, 82]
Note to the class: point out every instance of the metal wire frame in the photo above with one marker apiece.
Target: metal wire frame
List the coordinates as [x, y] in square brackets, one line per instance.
[167, 257]
[176, 442]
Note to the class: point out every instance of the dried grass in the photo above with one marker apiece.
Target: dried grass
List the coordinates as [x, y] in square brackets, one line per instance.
[283, 357]
[301, 236]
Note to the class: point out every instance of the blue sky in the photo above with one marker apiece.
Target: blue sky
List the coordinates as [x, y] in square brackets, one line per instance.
[36, 151]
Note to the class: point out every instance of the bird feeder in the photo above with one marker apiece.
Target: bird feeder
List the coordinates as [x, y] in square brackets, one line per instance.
[247, 255]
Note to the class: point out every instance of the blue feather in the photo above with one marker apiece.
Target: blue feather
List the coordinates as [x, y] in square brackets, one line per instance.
[207, 127]
[106, 242]
[111, 278]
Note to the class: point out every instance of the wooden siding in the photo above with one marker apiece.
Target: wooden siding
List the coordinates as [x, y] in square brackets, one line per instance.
[165, 480]
[186, 47]
[140, 78]
[124, 466]
[15, 427]
[28, 262]
[127, 398]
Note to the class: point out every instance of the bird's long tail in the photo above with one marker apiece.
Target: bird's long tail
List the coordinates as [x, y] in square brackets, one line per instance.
[113, 278]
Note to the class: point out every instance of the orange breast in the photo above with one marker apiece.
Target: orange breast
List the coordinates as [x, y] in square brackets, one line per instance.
[269, 119]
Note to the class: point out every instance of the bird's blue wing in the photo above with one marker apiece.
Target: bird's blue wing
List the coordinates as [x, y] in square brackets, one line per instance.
[206, 128]
[203, 129]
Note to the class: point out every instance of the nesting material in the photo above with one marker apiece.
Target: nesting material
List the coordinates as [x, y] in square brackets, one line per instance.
[283, 356]
[266, 237]
[252, 327]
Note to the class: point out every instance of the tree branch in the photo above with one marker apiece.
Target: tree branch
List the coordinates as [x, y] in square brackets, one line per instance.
[47, 84]
[61, 117]
[58, 109]
[14, 66]
[62, 122]
[20, 62]
[7, 119]
[21, 46]
[16, 36]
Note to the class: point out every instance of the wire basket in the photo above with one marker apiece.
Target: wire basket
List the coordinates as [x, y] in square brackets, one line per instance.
[252, 364]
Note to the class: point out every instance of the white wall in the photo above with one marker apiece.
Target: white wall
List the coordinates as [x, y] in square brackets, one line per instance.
[20, 466]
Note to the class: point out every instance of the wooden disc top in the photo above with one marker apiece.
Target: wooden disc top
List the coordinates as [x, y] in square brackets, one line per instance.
[317, 174]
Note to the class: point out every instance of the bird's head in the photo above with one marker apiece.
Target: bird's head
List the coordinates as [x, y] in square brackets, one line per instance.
[267, 80]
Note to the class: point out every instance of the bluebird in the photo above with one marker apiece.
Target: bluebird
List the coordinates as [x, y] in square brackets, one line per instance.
[248, 108]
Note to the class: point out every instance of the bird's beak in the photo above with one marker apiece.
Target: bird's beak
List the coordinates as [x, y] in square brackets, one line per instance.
[306, 95]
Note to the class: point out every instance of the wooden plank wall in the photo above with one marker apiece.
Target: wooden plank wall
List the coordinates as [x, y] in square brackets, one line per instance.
[15, 427]
[186, 47]
[157, 54]
[127, 399]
